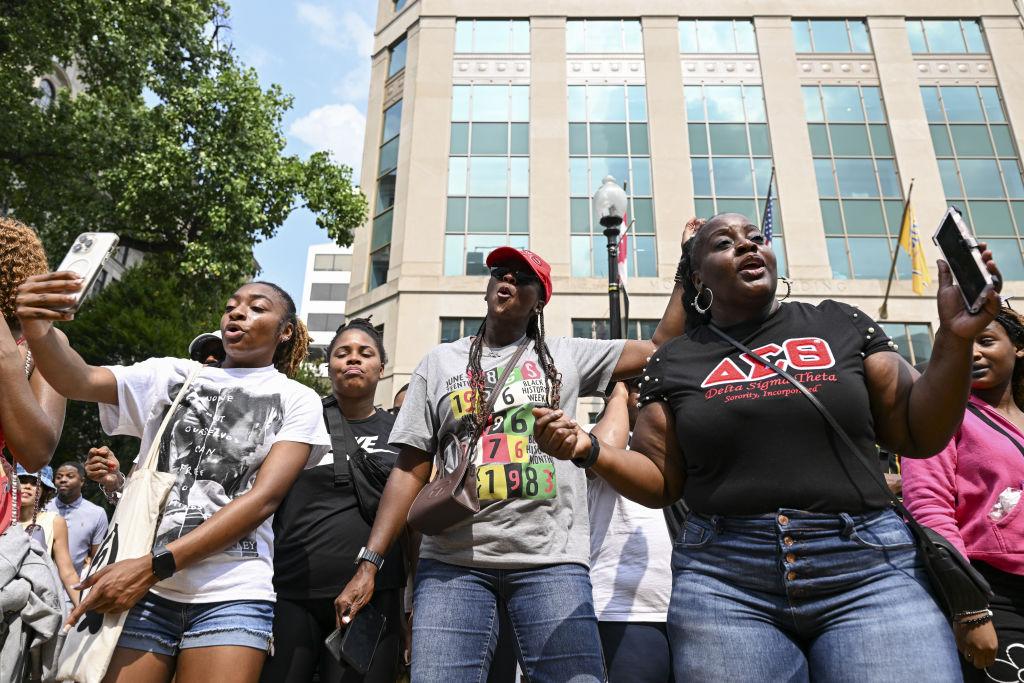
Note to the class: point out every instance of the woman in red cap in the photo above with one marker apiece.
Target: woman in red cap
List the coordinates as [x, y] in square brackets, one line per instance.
[527, 550]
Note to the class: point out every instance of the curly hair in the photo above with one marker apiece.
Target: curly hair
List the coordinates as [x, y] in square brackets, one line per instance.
[364, 325]
[21, 256]
[292, 352]
[684, 275]
[1013, 323]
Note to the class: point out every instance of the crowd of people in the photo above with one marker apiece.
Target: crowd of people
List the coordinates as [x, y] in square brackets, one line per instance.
[709, 527]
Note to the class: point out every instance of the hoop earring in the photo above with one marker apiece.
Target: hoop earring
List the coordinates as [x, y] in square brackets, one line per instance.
[696, 301]
[789, 288]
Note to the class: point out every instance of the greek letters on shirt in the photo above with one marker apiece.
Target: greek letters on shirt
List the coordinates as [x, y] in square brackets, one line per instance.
[806, 358]
[509, 464]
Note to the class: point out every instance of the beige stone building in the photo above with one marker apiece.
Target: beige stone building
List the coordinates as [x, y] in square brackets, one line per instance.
[493, 123]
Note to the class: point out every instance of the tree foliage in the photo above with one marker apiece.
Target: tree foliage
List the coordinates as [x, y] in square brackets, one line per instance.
[173, 144]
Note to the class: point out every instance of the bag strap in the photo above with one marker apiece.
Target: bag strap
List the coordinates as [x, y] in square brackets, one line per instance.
[978, 413]
[343, 442]
[893, 500]
[154, 445]
[500, 384]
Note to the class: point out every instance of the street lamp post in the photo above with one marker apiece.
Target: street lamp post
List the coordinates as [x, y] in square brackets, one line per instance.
[609, 210]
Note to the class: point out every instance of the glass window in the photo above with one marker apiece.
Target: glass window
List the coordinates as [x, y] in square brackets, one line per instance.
[488, 173]
[328, 291]
[831, 35]
[392, 121]
[598, 328]
[379, 262]
[608, 136]
[492, 36]
[604, 36]
[724, 36]
[979, 165]
[853, 160]
[397, 58]
[453, 329]
[945, 36]
[913, 340]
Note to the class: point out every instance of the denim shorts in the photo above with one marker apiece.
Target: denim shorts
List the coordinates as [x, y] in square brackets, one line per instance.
[164, 627]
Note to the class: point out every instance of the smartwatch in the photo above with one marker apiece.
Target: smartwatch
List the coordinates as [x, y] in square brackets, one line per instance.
[591, 458]
[163, 563]
[370, 556]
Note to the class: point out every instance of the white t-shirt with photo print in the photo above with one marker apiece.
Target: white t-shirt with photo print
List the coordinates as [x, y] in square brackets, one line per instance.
[216, 441]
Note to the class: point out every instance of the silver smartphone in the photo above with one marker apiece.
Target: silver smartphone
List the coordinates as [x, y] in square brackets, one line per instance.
[86, 257]
[963, 255]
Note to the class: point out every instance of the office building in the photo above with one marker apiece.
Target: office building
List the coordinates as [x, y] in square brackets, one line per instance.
[325, 291]
[493, 123]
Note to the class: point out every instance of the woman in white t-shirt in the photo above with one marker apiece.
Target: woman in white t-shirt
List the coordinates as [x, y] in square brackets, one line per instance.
[630, 562]
[201, 606]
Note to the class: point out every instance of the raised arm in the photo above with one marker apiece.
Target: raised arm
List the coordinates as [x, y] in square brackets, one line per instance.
[410, 475]
[650, 473]
[39, 301]
[62, 558]
[119, 586]
[673, 321]
[916, 415]
[31, 412]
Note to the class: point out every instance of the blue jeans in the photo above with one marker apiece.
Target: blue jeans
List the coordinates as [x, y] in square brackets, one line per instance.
[163, 626]
[800, 596]
[550, 609]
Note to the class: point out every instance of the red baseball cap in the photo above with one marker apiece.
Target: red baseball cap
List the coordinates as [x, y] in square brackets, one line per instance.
[539, 266]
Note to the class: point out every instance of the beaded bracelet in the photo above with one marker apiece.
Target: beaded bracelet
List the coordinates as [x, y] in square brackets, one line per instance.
[976, 621]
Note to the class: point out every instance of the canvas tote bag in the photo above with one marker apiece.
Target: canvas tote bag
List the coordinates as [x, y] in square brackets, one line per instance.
[90, 644]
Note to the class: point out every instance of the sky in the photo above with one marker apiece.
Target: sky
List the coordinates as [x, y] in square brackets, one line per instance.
[318, 51]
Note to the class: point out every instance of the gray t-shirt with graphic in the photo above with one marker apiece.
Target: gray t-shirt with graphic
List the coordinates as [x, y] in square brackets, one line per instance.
[533, 508]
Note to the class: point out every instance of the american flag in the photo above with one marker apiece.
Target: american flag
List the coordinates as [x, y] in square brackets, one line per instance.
[766, 220]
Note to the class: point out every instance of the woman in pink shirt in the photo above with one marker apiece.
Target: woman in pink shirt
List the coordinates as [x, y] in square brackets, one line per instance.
[969, 492]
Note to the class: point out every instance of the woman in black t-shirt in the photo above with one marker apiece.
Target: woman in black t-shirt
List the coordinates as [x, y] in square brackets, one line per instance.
[319, 530]
[791, 566]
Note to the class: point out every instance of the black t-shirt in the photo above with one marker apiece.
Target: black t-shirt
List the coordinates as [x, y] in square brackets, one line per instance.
[318, 530]
[751, 443]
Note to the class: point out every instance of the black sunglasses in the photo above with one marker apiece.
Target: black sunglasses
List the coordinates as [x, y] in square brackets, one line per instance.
[523, 277]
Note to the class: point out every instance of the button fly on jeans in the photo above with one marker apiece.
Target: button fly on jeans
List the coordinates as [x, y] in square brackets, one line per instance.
[788, 540]
[783, 520]
[790, 558]
[791, 576]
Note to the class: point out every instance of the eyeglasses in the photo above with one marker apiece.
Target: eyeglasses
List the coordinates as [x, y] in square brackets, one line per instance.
[523, 277]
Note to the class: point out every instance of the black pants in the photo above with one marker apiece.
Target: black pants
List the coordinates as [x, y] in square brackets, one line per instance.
[636, 652]
[1008, 617]
[300, 628]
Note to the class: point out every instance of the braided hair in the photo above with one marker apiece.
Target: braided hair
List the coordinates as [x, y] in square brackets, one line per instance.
[290, 353]
[1013, 323]
[480, 417]
[364, 325]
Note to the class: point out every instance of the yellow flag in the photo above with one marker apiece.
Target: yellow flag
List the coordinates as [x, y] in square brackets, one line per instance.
[910, 240]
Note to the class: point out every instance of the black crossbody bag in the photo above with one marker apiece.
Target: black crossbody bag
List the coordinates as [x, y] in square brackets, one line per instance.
[957, 586]
[367, 472]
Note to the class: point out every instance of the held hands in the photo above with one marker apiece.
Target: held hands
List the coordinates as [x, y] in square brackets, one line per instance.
[43, 299]
[102, 467]
[115, 588]
[953, 314]
[355, 594]
[978, 644]
[558, 436]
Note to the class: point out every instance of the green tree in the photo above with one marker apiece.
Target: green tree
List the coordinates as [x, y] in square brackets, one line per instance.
[173, 144]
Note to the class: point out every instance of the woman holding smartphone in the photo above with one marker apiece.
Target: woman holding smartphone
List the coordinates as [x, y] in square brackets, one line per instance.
[31, 411]
[203, 600]
[319, 528]
[791, 565]
[528, 549]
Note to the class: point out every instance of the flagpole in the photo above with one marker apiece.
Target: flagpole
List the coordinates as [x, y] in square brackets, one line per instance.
[764, 214]
[883, 312]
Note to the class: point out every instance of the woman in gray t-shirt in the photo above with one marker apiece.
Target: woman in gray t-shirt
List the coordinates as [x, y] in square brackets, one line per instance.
[528, 547]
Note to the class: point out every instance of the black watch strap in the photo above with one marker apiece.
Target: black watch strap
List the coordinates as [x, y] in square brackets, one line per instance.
[164, 565]
[595, 450]
[370, 556]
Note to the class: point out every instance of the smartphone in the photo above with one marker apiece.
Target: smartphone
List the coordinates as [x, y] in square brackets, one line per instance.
[961, 252]
[355, 644]
[86, 257]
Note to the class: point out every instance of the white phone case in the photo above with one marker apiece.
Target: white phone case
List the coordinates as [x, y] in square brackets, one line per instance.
[86, 257]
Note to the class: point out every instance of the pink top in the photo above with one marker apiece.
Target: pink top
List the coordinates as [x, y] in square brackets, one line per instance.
[954, 491]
